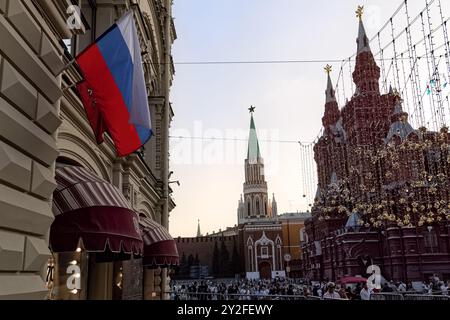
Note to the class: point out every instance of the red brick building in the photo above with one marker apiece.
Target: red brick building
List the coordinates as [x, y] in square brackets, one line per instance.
[383, 186]
[214, 254]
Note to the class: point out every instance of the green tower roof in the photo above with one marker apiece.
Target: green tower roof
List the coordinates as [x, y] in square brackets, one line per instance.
[253, 153]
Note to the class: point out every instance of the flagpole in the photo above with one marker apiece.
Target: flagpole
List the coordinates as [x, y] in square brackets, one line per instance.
[67, 66]
[69, 87]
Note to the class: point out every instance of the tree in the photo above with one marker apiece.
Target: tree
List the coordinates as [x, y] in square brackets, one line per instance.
[182, 271]
[224, 260]
[190, 260]
[183, 260]
[216, 260]
[234, 259]
[196, 260]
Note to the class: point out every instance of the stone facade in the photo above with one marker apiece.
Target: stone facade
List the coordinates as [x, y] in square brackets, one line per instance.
[30, 98]
[42, 122]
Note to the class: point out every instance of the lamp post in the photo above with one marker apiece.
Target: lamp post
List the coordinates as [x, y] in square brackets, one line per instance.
[430, 228]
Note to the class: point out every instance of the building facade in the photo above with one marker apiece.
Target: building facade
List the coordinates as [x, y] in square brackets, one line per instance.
[382, 186]
[260, 231]
[294, 234]
[44, 126]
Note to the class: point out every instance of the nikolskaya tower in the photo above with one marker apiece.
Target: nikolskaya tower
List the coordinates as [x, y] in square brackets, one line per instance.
[260, 233]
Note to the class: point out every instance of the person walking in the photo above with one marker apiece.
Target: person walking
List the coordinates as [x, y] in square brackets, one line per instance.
[365, 292]
[343, 293]
[331, 293]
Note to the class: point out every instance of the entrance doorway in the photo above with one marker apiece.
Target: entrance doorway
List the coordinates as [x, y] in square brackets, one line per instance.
[265, 271]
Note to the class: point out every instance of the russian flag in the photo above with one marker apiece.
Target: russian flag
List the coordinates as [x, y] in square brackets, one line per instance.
[113, 91]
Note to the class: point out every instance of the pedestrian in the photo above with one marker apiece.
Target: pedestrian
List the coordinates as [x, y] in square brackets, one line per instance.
[331, 293]
[365, 292]
[343, 293]
[401, 287]
[386, 288]
[350, 294]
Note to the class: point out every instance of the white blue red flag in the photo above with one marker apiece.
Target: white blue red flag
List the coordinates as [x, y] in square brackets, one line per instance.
[113, 91]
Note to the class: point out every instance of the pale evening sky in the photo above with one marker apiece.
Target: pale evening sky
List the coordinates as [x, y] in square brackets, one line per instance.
[212, 100]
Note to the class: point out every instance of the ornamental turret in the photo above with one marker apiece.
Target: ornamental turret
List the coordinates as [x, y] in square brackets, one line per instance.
[367, 74]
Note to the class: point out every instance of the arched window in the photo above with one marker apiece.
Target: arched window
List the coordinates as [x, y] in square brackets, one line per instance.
[302, 235]
[248, 208]
[250, 257]
[257, 206]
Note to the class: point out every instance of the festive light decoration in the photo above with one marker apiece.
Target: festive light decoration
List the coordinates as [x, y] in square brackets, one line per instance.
[402, 179]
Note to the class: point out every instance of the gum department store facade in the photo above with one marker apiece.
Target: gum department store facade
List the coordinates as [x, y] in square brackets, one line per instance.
[383, 187]
[44, 131]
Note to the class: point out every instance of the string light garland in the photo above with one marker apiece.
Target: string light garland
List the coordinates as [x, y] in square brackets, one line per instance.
[401, 178]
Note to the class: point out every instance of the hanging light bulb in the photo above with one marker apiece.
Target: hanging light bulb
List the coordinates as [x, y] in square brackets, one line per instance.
[78, 249]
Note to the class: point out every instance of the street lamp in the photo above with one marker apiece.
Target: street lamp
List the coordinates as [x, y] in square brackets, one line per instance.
[430, 240]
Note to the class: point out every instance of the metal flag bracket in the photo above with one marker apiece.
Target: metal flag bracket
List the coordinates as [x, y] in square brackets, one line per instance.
[67, 66]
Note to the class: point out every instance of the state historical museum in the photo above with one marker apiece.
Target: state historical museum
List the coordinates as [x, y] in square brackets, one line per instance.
[383, 187]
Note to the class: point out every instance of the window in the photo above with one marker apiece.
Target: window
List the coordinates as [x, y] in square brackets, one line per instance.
[250, 257]
[68, 44]
[303, 235]
[257, 206]
[264, 252]
[135, 198]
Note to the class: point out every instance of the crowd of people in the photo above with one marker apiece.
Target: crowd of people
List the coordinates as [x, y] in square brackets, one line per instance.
[245, 289]
[235, 289]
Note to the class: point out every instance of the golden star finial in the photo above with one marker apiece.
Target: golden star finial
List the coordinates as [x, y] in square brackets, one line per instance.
[251, 109]
[396, 93]
[359, 12]
[328, 69]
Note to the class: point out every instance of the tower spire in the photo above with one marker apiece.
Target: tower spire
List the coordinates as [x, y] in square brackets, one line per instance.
[274, 206]
[329, 92]
[253, 153]
[332, 112]
[363, 40]
[199, 234]
[367, 73]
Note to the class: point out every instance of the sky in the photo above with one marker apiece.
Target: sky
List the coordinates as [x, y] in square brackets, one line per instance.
[213, 100]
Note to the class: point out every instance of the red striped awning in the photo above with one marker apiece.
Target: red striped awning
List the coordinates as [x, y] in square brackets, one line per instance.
[159, 247]
[79, 188]
[93, 211]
